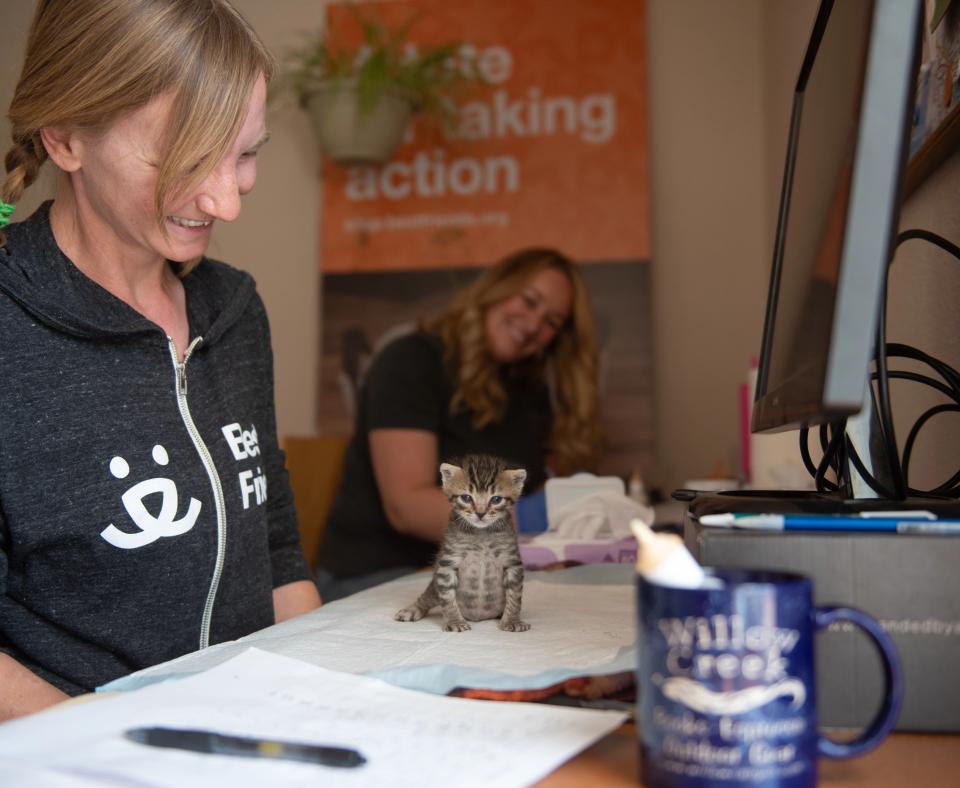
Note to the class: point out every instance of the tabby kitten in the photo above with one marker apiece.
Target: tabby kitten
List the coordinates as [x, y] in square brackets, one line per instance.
[478, 573]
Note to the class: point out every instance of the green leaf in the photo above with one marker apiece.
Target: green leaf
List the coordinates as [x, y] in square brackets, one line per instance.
[432, 76]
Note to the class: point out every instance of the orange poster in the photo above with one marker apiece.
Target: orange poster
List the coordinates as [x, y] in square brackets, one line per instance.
[551, 151]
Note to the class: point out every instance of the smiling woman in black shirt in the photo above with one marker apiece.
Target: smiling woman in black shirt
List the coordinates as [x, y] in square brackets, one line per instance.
[509, 370]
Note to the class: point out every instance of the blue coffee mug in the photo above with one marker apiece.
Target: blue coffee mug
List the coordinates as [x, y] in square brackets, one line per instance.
[727, 694]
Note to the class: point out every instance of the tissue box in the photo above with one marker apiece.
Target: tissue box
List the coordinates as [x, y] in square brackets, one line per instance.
[544, 549]
[562, 491]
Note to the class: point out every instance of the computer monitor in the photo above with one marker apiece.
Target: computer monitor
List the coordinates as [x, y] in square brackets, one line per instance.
[839, 206]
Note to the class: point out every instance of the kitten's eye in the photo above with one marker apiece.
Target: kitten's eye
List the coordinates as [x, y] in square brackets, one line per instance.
[466, 498]
[495, 499]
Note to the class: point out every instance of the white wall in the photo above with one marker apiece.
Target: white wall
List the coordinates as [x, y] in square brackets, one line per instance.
[276, 239]
[710, 217]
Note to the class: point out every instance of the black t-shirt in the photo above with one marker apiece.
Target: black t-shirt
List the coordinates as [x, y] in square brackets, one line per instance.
[409, 387]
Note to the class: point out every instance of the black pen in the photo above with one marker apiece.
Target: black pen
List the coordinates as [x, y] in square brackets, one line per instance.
[246, 747]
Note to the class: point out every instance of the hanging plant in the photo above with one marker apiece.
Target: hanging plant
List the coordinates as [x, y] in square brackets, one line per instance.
[360, 99]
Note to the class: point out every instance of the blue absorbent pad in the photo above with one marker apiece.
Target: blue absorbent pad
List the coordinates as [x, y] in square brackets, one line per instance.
[582, 619]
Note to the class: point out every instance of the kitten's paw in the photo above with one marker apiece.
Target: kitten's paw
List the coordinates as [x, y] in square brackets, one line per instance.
[409, 614]
[456, 626]
[514, 626]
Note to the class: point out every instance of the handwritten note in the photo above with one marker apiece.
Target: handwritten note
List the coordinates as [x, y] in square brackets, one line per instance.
[409, 738]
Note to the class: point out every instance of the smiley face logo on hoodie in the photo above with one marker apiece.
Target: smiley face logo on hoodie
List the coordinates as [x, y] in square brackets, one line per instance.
[152, 526]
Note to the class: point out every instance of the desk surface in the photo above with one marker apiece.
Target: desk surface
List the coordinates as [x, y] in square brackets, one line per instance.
[904, 759]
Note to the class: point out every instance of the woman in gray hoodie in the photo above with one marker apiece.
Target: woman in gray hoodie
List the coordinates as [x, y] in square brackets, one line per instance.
[144, 506]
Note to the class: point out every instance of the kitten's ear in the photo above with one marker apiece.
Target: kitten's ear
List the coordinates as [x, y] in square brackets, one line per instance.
[448, 472]
[517, 477]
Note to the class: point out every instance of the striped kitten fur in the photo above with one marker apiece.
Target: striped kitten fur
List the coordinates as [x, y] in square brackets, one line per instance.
[478, 573]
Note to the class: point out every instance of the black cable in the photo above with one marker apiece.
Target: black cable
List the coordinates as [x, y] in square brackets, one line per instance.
[821, 482]
[884, 406]
[883, 374]
[805, 450]
[912, 436]
[933, 383]
[950, 375]
[950, 488]
[841, 467]
[839, 454]
[926, 235]
[829, 460]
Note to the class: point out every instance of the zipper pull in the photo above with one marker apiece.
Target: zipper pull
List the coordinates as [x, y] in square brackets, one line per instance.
[181, 380]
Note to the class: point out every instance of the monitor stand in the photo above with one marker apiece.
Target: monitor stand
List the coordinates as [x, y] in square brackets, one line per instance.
[863, 431]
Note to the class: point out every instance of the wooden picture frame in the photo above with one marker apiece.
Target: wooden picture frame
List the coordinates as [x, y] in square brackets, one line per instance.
[938, 93]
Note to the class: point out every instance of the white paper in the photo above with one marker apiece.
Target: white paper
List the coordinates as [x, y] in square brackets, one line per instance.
[409, 738]
[583, 623]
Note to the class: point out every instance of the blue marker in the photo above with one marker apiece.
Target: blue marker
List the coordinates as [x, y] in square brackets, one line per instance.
[885, 522]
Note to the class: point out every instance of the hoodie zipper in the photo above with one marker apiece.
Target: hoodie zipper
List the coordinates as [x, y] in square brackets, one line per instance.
[180, 370]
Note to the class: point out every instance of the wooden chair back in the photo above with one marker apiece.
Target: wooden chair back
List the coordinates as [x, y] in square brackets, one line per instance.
[315, 466]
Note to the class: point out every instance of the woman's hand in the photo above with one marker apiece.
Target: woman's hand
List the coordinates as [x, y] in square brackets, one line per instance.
[24, 692]
[407, 470]
[295, 598]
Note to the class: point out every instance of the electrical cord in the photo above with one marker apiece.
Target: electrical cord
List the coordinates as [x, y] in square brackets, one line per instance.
[830, 459]
[830, 456]
[949, 387]
[949, 486]
[838, 450]
[884, 407]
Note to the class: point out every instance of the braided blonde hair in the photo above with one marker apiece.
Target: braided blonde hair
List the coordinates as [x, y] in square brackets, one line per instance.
[88, 62]
[569, 366]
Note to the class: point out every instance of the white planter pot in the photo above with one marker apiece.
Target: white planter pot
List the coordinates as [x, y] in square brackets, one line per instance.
[350, 136]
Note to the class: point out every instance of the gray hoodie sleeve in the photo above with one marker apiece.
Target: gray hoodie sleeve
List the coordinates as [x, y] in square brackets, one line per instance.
[286, 553]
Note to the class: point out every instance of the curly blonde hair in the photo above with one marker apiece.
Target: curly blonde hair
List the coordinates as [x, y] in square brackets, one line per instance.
[568, 367]
[90, 61]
